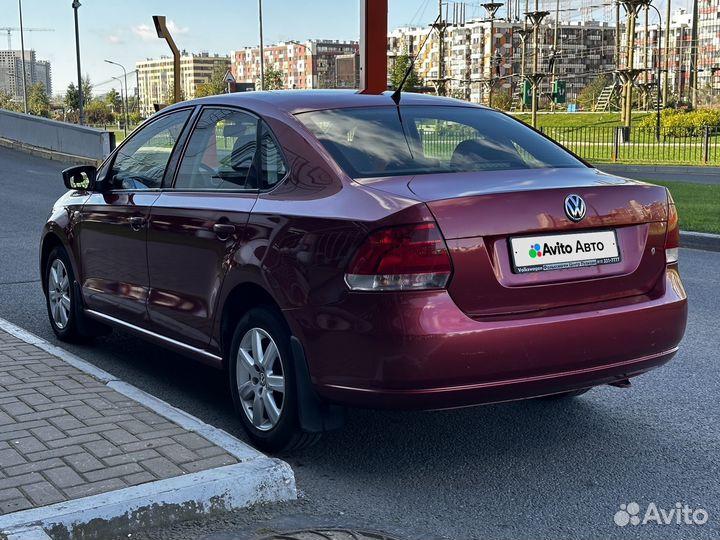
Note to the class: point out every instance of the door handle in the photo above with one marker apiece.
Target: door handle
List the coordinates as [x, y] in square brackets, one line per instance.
[223, 230]
[136, 222]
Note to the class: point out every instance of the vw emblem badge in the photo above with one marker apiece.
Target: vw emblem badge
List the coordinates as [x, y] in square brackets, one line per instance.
[575, 207]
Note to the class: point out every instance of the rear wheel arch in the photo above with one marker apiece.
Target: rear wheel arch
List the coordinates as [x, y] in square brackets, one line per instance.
[241, 299]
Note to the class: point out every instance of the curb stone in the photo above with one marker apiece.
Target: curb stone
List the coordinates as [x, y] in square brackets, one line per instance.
[255, 479]
[698, 240]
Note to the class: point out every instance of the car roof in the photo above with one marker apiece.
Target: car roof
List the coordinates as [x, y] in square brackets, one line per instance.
[296, 101]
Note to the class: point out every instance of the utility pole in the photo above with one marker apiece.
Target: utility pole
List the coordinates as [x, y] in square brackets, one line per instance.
[628, 75]
[524, 33]
[666, 87]
[555, 49]
[441, 27]
[694, 55]
[617, 35]
[22, 52]
[262, 52]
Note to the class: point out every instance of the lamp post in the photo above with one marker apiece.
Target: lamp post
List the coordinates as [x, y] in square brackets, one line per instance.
[22, 52]
[125, 102]
[491, 8]
[121, 99]
[536, 17]
[523, 33]
[262, 52]
[81, 116]
[657, 71]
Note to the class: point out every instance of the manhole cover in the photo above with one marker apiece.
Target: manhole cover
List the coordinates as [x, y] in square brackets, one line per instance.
[329, 534]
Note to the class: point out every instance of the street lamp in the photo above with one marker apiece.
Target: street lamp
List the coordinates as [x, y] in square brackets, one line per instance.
[81, 117]
[22, 52]
[657, 72]
[126, 92]
[536, 17]
[262, 53]
[491, 8]
[123, 101]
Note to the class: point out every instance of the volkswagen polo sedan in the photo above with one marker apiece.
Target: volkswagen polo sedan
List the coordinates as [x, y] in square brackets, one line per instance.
[330, 249]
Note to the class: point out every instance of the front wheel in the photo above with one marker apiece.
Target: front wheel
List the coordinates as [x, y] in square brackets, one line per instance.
[263, 382]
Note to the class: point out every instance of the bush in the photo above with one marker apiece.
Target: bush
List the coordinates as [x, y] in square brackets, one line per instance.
[679, 123]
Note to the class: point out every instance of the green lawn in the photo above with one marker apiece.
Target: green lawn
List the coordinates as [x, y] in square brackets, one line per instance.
[581, 119]
[698, 205]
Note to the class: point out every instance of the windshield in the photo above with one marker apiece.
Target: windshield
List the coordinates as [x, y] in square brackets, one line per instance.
[384, 141]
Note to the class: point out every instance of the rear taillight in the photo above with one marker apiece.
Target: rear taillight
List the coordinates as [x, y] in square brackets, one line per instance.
[672, 237]
[406, 257]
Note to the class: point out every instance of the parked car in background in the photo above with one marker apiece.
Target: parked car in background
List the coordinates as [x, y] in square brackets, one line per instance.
[331, 249]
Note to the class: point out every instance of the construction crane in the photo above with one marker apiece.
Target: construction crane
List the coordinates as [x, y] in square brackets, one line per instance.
[10, 30]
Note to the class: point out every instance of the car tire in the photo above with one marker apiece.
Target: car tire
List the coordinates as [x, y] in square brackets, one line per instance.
[263, 382]
[61, 297]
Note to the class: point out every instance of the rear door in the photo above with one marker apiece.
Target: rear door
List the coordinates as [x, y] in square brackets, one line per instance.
[196, 227]
[113, 222]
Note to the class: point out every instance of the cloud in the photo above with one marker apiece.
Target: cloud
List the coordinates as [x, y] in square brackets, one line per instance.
[114, 39]
[147, 32]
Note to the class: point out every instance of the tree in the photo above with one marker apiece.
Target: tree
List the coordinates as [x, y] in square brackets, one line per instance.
[97, 112]
[72, 98]
[38, 100]
[273, 79]
[87, 88]
[113, 99]
[587, 98]
[216, 85]
[398, 70]
[7, 102]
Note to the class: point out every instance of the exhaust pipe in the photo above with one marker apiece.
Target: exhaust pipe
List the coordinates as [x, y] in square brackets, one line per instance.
[622, 383]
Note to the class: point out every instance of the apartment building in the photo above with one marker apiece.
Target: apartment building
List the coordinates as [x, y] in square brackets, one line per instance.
[473, 57]
[36, 71]
[156, 78]
[308, 64]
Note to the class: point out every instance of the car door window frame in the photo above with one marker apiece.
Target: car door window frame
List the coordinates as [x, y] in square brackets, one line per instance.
[258, 137]
[179, 144]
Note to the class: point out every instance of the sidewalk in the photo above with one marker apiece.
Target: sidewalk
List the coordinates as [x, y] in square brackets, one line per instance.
[75, 441]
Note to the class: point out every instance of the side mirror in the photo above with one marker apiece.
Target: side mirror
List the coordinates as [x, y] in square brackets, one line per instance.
[80, 177]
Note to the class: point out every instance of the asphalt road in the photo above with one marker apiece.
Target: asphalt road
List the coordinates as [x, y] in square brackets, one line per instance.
[532, 469]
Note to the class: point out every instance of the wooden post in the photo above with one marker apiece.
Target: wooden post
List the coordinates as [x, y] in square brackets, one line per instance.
[373, 46]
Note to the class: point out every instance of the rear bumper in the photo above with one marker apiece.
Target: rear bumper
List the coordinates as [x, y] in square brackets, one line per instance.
[420, 351]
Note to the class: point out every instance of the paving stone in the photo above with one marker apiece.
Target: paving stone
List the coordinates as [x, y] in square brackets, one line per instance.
[209, 463]
[93, 488]
[177, 453]
[70, 441]
[102, 448]
[14, 505]
[83, 462]
[47, 433]
[66, 422]
[113, 472]
[193, 441]
[33, 466]
[132, 457]
[20, 480]
[139, 478]
[16, 408]
[43, 493]
[26, 445]
[10, 493]
[162, 467]
[119, 436]
[63, 477]
[10, 457]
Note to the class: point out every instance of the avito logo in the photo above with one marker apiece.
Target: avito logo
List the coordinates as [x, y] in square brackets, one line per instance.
[535, 250]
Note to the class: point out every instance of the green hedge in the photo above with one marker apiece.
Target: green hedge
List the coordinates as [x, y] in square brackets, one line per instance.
[678, 123]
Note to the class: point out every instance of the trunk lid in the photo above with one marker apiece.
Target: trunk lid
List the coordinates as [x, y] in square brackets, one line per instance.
[479, 214]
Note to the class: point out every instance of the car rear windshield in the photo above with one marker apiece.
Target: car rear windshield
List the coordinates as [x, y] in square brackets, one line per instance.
[410, 140]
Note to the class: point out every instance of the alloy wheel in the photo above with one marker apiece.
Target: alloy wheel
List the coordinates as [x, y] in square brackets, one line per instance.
[260, 379]
[59, 293]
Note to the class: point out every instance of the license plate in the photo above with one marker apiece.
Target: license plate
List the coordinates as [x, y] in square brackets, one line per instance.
[542, 253]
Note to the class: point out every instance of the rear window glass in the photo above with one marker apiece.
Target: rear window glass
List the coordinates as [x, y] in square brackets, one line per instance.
[411, 140]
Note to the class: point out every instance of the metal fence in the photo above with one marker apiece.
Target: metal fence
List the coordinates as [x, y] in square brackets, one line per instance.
[637, 145]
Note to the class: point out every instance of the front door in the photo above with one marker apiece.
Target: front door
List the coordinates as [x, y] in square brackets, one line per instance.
[113, 222]
[196, 227]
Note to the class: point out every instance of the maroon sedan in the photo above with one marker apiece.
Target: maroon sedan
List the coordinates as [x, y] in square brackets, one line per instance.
[331, 249]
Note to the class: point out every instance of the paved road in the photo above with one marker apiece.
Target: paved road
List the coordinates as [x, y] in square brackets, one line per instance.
[522, 470]
[697, 175]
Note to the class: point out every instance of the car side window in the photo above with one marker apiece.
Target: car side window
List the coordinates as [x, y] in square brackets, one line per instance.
[272, 163]
[141, 163]
[221, 153]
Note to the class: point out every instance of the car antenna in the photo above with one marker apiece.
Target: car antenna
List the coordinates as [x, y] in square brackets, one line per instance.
[396, 94]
